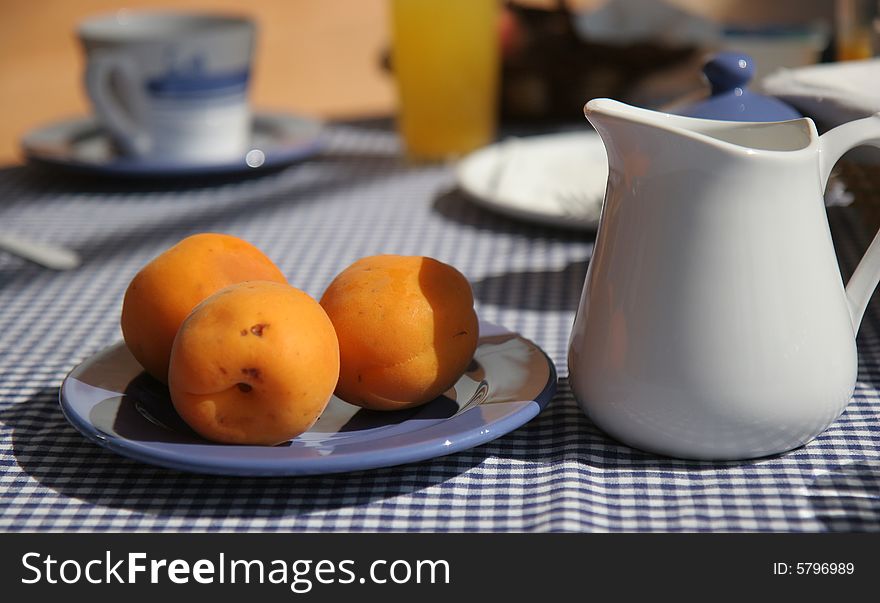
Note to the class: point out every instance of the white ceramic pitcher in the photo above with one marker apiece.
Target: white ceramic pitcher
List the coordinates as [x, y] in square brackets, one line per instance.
[714, 323]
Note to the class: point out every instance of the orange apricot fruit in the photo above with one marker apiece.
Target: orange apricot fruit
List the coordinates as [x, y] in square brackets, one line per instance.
[407, 330]
[255, 363]
[161, 295]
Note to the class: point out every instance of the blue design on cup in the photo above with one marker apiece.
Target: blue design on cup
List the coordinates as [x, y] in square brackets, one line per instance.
[194, 82]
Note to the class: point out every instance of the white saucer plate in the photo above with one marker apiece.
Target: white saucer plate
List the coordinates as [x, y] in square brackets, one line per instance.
[113, 403]
[80, 144]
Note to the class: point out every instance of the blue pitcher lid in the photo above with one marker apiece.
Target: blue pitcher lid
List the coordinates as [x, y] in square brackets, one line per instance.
[729, 73]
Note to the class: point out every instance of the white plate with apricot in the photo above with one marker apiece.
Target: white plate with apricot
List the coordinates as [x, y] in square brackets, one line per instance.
[226, 368]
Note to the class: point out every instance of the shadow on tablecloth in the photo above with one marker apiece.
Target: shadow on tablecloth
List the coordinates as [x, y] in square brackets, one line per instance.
[36, 177]
[540, 290]
[49, 450]
[848, 499]
[453, 205]
[52, 453]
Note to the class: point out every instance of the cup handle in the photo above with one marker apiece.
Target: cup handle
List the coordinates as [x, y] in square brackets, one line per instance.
[114, 86]
[832, 145]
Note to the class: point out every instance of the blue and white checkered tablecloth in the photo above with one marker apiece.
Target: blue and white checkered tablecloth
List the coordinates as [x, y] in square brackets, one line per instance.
[556, 473]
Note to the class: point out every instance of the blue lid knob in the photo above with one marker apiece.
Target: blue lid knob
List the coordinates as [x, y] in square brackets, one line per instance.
[729, 74]
[727, 71]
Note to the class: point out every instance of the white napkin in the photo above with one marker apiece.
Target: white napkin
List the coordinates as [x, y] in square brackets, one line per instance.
[622, 22]
[560, 174]
[831, 93]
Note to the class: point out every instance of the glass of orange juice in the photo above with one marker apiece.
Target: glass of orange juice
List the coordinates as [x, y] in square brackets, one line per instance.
[856, 29]
[445, 61]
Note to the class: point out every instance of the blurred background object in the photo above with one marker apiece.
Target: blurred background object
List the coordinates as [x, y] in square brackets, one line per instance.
[645, 52]
[445, 61]
[775, 46]
[563, 55]
[322, 58]
[315, 58]
[855, 29]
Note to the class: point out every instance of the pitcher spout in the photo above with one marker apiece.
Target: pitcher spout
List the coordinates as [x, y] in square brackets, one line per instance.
[797, 135]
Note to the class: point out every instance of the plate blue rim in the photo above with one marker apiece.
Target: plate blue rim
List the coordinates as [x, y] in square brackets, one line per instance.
[309, 144]
[460, 432]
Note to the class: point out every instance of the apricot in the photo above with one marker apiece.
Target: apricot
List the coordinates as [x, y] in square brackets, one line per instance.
[161, 295]
[255, 363]
[407, 330]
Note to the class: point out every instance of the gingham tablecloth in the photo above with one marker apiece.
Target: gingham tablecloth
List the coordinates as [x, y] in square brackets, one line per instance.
[556, 473]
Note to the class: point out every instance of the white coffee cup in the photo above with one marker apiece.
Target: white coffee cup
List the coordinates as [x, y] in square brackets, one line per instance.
[171, 86]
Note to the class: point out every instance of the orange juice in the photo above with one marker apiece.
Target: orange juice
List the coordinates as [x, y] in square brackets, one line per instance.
[445, 60]
[856, 47]
[855, 28]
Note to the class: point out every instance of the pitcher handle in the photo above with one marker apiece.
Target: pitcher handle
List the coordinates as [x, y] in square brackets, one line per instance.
[833, 145]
